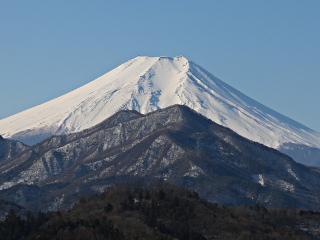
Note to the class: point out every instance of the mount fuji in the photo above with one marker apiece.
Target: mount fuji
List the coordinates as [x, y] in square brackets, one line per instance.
[146, 84]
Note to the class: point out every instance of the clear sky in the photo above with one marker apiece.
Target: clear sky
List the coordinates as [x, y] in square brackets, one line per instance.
[269, 50]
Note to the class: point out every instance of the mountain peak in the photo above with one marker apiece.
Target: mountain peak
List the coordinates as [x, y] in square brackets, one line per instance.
[177, 61]
[161, 57]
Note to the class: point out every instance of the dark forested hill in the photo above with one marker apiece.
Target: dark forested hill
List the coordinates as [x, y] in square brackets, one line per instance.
[158, 211]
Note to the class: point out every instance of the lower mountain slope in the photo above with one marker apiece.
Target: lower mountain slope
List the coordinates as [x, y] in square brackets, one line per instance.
[306, 154]
[175, 144]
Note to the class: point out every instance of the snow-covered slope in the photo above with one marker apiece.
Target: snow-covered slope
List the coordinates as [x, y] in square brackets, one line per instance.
[149, 83]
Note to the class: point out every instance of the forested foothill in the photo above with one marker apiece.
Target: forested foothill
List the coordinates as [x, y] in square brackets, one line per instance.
[160, 211]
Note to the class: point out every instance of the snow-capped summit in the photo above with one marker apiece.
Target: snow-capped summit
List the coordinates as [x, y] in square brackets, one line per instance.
[149, 83]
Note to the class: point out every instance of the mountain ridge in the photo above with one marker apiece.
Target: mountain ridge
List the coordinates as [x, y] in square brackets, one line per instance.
[175, 144]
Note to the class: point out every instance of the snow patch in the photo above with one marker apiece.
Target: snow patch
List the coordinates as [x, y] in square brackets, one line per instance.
[273, 181]
[194, 171]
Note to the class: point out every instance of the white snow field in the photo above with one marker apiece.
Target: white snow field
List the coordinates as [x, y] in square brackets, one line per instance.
[149, 83]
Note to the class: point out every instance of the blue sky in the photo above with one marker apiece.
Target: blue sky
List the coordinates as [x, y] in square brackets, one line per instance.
[268, 50]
